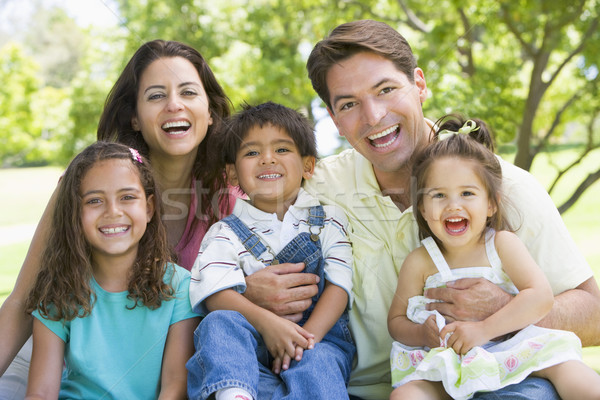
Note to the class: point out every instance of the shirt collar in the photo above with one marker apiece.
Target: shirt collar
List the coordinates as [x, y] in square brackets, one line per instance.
[249, 214]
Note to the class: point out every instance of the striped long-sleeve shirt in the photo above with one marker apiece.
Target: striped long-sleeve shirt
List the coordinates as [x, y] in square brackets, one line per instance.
[223, 262]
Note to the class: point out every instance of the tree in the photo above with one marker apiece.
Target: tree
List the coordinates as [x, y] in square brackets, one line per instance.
[56, 42]
[17, 120]
[525, 66]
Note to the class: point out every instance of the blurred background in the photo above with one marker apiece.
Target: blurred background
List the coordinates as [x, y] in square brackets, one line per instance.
[527, 67]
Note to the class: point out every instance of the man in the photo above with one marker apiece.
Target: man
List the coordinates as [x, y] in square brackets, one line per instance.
[367, 76]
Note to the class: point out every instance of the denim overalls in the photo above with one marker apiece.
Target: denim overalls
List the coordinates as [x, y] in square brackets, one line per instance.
[228, 346]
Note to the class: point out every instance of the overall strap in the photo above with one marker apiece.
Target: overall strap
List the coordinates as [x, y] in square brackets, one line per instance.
[437, 257]
[316, 218]
[249, 239]
[490, 249]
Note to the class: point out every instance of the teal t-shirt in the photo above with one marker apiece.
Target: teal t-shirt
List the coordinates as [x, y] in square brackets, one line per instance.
[116, 353]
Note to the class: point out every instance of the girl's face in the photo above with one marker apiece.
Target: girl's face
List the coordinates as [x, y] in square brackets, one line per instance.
[269, 168]
[172, 109]
[455, 202]
[115, 210]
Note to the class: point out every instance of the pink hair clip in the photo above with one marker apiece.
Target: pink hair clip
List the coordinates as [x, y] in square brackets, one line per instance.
[136, 155]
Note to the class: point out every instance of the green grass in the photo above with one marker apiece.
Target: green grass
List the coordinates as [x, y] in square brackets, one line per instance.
[26, 192]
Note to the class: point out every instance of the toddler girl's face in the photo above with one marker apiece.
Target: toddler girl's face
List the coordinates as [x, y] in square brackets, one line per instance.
[115, 210]
[269, 168]
[455, 202]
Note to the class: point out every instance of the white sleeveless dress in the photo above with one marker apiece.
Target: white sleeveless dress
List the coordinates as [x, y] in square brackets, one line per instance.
[488, 367]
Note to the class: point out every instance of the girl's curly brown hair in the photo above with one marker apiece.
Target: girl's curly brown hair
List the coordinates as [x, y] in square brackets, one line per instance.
[62, 289]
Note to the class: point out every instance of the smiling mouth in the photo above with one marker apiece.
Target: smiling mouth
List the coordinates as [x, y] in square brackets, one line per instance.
[456, 225]
[385, 138]
[176, 127]
[114, 230]
[269, 176]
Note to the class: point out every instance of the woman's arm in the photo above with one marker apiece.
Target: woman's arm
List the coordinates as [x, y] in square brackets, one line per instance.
[411, 281]
[179, 348]
[46, 363]
[15, 323]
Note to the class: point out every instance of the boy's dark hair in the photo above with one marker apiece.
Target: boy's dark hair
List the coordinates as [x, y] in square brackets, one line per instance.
[269, 113]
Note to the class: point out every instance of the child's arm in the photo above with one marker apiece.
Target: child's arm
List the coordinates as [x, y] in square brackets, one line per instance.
[280, 335]
[531, 304]
[46, 366]
[179, 348]
[411, 281]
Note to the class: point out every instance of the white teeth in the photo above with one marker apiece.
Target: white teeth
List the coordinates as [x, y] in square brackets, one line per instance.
[176, 124]
[384, 133]
[114, 230]
[269, 176]
[454, 219]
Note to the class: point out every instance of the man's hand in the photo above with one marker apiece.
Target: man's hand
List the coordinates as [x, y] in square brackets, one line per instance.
[282, 289]
[469, 299]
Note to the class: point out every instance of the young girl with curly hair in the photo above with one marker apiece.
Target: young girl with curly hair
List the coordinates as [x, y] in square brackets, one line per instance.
[108, 304]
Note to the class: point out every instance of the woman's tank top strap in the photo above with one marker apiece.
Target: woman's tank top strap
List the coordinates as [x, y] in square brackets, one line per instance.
[490, 249]
[437, 257]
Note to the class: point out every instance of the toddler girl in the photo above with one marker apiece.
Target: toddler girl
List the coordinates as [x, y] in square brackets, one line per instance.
[459, 210]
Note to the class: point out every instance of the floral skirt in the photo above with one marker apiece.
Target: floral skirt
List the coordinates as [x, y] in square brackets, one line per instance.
[485, 368]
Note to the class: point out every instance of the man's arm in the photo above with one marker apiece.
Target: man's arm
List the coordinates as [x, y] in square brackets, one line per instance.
[282, 289]
[474, 299]
[575, 310]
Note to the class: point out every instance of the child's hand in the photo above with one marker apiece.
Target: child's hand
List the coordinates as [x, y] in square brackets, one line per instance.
[465, 335]
[431, 333]
[283, 339]
[283, 364]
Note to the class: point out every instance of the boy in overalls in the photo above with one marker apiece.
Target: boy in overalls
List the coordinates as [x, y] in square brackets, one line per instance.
[244, 351]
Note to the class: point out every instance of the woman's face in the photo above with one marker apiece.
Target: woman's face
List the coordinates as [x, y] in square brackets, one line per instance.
[172, 109]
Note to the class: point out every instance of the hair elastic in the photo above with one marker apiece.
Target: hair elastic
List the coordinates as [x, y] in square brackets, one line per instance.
[135, 155]
[468, 127]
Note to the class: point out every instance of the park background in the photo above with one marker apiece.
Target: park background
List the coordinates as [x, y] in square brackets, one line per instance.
[527, 67]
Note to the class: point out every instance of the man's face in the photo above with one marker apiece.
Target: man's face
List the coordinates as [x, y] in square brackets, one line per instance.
[378, 109]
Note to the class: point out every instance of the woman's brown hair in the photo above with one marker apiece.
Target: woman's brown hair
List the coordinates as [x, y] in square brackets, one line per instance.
[120, 107]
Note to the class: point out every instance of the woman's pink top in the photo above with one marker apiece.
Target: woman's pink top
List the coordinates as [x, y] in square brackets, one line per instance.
[189, 244]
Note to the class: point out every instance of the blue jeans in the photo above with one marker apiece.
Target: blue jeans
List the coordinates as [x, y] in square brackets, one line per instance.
[531, 388]
[231, 353]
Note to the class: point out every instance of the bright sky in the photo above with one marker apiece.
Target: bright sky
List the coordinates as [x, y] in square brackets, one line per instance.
[90, 12]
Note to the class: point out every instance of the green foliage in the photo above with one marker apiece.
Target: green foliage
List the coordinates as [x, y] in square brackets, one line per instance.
[18, 124]
[528, 67]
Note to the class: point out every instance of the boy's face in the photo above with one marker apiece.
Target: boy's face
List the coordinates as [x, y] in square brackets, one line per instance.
[269, 168]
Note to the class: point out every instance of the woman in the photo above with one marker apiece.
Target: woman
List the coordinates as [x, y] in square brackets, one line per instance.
[168, 104]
